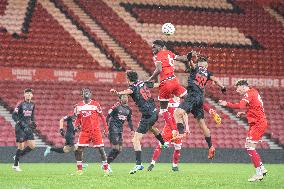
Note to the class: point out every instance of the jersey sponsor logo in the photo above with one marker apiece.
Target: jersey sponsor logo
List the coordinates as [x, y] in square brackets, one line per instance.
[122, 117]
[87, 107]
[86, 113]
[27, 113]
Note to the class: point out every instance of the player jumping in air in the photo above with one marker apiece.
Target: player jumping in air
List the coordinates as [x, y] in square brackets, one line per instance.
[171, 135]
[141, 95]
[193, 102]
[24, 117]
[115, 119]
[169, 85]
[253, 104]
[88, 112]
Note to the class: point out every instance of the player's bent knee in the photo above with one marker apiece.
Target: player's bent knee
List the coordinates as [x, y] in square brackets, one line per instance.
[136, 141]
[178, 114]
[116, 147]
[67, 149]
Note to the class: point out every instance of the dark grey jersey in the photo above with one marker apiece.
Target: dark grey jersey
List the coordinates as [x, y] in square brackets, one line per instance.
[117, 116]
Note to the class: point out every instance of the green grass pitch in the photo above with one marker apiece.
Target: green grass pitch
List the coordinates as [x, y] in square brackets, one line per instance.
[190, 176]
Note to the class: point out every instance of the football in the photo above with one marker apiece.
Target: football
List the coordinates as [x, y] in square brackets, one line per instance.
[168, 29]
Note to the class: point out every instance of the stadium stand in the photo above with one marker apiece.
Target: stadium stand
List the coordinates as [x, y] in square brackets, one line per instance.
[7, 133]
[55, 99]
[226, 31]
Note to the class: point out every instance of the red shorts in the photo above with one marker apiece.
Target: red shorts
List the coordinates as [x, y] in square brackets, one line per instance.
[167, 135]
[170, 88]
[85, 138]
[256, 131]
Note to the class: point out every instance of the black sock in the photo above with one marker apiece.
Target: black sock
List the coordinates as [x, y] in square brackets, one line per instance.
[25, 151]
[138, 157]
[112, 155]
[57, 150]
[180, 128]
[17, 156]
[208, 140]
[160, 138]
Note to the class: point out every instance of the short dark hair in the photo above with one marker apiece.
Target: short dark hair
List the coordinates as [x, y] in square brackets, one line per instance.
[85, 89]
[132, 76]
[242, 82]
[159, 42]
[121, 96]
[202, 59]
[28, 90]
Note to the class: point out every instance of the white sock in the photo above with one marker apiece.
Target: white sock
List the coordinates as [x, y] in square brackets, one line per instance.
[175, 165]
[153, 162]
[261, 166]
[258, 171]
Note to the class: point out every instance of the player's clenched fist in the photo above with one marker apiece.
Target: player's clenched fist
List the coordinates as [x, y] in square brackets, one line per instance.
[222, 103]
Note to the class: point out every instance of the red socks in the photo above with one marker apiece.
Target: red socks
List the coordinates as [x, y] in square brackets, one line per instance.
[79, 165]
[156, 153]
[255, 158]
[105, 165]
[176, 157]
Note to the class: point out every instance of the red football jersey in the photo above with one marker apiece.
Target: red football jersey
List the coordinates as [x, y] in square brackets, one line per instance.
[255, 110]
[166, 58]
[88, 115]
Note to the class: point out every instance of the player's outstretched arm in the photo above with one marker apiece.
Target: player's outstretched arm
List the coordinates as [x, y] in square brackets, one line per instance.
[157, 70]
[103, 118]
[217, 82]
[242, 104]
[124, 92]
[181, 58]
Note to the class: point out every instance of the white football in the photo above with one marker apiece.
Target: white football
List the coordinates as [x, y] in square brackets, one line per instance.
[168, 29]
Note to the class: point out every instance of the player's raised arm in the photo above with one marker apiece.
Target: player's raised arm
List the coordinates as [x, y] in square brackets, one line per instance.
[217, 82]
[157, 70]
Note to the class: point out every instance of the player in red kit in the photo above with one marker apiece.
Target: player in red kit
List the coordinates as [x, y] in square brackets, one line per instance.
[175, 136]
[253, 104]
[88, 112]
[169, 84]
